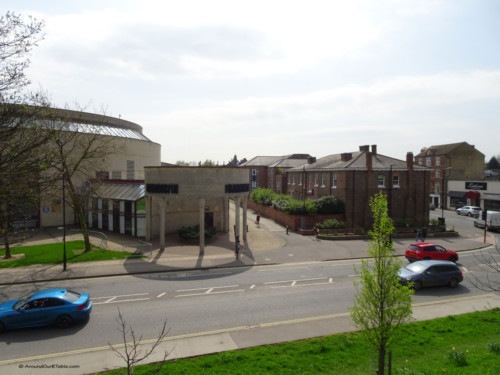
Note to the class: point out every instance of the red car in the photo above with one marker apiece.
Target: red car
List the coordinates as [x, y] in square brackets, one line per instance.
[425, 250]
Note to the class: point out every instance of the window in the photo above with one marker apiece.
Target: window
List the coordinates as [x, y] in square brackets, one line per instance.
[316, 179]
[438, 161]
[289, 178]
[334, 180]
[395, 181]
[309, 185]
[438, 173]
[102, 175]
[300, 179]
[420, 161]
[116, 175]
[380, 180]
[255, 178]
[436, 189]
[293, 179]
[130, 169]
[323, 178]
[428, 161]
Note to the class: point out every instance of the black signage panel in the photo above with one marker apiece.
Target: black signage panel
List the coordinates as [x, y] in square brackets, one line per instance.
[237, 188]
[476, 186]
[163, 188]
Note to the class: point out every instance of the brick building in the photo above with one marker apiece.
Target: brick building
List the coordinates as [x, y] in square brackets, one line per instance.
[269, 171]
[455, 161]
[354, 177]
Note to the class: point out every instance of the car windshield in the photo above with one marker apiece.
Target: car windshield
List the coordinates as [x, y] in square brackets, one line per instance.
[21, 302]
[415, 267]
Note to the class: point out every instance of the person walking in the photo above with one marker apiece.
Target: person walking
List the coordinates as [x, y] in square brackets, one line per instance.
[257, 221]
[316, 231]
[419, 236]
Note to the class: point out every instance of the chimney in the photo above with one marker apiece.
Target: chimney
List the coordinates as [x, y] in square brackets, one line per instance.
[364, 148]
[409, 160]
[374, 149]
[311, 160]
[346, 156]
[369, 161]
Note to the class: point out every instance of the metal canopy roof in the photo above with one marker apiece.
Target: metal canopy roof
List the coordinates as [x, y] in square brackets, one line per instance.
[119, 191]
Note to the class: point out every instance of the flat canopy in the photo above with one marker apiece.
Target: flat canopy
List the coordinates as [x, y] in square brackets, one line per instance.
[456, 194]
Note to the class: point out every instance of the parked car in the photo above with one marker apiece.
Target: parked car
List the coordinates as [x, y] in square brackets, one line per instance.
[427, 250]
[427, 273]
[432, 206]
[469, 210]
[59, 307]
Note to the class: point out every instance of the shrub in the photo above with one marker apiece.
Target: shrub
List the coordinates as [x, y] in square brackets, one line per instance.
[331, 224]
[305, 207]
[190, 233]
[262, 196]
[457, 357]
[329, 204]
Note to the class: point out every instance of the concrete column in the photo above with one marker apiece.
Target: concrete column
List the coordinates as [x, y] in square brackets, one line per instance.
[163, 208]
[245, 222]
[202, 225]
[149, 213]
[226, 215]
[237, 216]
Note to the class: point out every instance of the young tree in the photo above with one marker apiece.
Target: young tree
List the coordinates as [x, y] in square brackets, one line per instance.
[131, 352]
[381, 303]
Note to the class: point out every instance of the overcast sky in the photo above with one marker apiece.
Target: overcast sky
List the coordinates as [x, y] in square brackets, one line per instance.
[211, 79]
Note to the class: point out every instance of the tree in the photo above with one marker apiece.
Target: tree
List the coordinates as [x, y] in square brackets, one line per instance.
[77, 153]
[493, 163]
[488, 263]
[17, 38]
[130, 351]
[233, 162]
[381, 304]
[21, 156]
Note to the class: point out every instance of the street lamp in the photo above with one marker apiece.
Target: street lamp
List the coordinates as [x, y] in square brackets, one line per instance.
[64, 222]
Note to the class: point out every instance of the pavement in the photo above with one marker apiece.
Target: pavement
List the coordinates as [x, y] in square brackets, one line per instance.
[269, 244]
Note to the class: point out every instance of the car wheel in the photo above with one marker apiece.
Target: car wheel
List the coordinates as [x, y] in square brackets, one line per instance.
[64, 321]
[417, 285]
[469, 214]
[453, 283]
[475, 224]
[453, 259]
[2, 327]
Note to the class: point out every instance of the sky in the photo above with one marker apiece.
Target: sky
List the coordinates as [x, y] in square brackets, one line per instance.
[209, 80]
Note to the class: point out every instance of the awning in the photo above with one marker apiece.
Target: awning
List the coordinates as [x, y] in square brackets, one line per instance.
[456, 194]
[472, 194]
[491, 197]
[119, 191]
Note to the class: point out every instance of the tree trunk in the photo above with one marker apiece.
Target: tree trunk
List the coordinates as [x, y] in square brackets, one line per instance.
[8, 255]
[381, 360]
[79, 211]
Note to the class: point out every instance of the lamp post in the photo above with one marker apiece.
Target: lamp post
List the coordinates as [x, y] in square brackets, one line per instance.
[64, 222]
[442, 192]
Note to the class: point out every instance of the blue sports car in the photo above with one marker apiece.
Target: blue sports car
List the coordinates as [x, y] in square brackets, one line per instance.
[58, 307]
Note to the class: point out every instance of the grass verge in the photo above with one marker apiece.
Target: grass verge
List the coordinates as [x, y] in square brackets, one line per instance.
[53, 254]
[467, 344]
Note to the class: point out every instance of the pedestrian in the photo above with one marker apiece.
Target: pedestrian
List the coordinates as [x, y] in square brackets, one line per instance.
[237, 246]
[258, 220]
[424, 233]
[419, 235]
[316, 231]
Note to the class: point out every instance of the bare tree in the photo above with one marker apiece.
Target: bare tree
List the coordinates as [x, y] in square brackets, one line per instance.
[130, 350]
[489, 262]
[79, 151]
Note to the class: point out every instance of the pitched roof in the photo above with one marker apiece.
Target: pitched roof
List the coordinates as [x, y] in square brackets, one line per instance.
[441, 149]
[357, 161]
[287, 161]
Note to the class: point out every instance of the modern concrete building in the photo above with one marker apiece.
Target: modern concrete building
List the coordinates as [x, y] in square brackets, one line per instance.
[189, 196]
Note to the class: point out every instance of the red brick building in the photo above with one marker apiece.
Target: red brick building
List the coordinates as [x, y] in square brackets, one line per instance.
[354, 177]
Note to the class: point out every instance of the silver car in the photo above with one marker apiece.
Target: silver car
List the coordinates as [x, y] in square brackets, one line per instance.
[469, 210]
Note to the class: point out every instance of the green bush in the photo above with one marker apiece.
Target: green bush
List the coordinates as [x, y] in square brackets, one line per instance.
[329, 204]
[284, 203]
[191, 233]
[331, 224]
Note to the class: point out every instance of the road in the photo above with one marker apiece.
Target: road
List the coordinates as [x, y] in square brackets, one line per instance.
[201, 301]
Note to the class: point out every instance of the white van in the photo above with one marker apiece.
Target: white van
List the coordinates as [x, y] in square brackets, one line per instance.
[488, 219]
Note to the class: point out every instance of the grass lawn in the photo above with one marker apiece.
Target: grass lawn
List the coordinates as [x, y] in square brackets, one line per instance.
[53, 254]
[466, 344]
